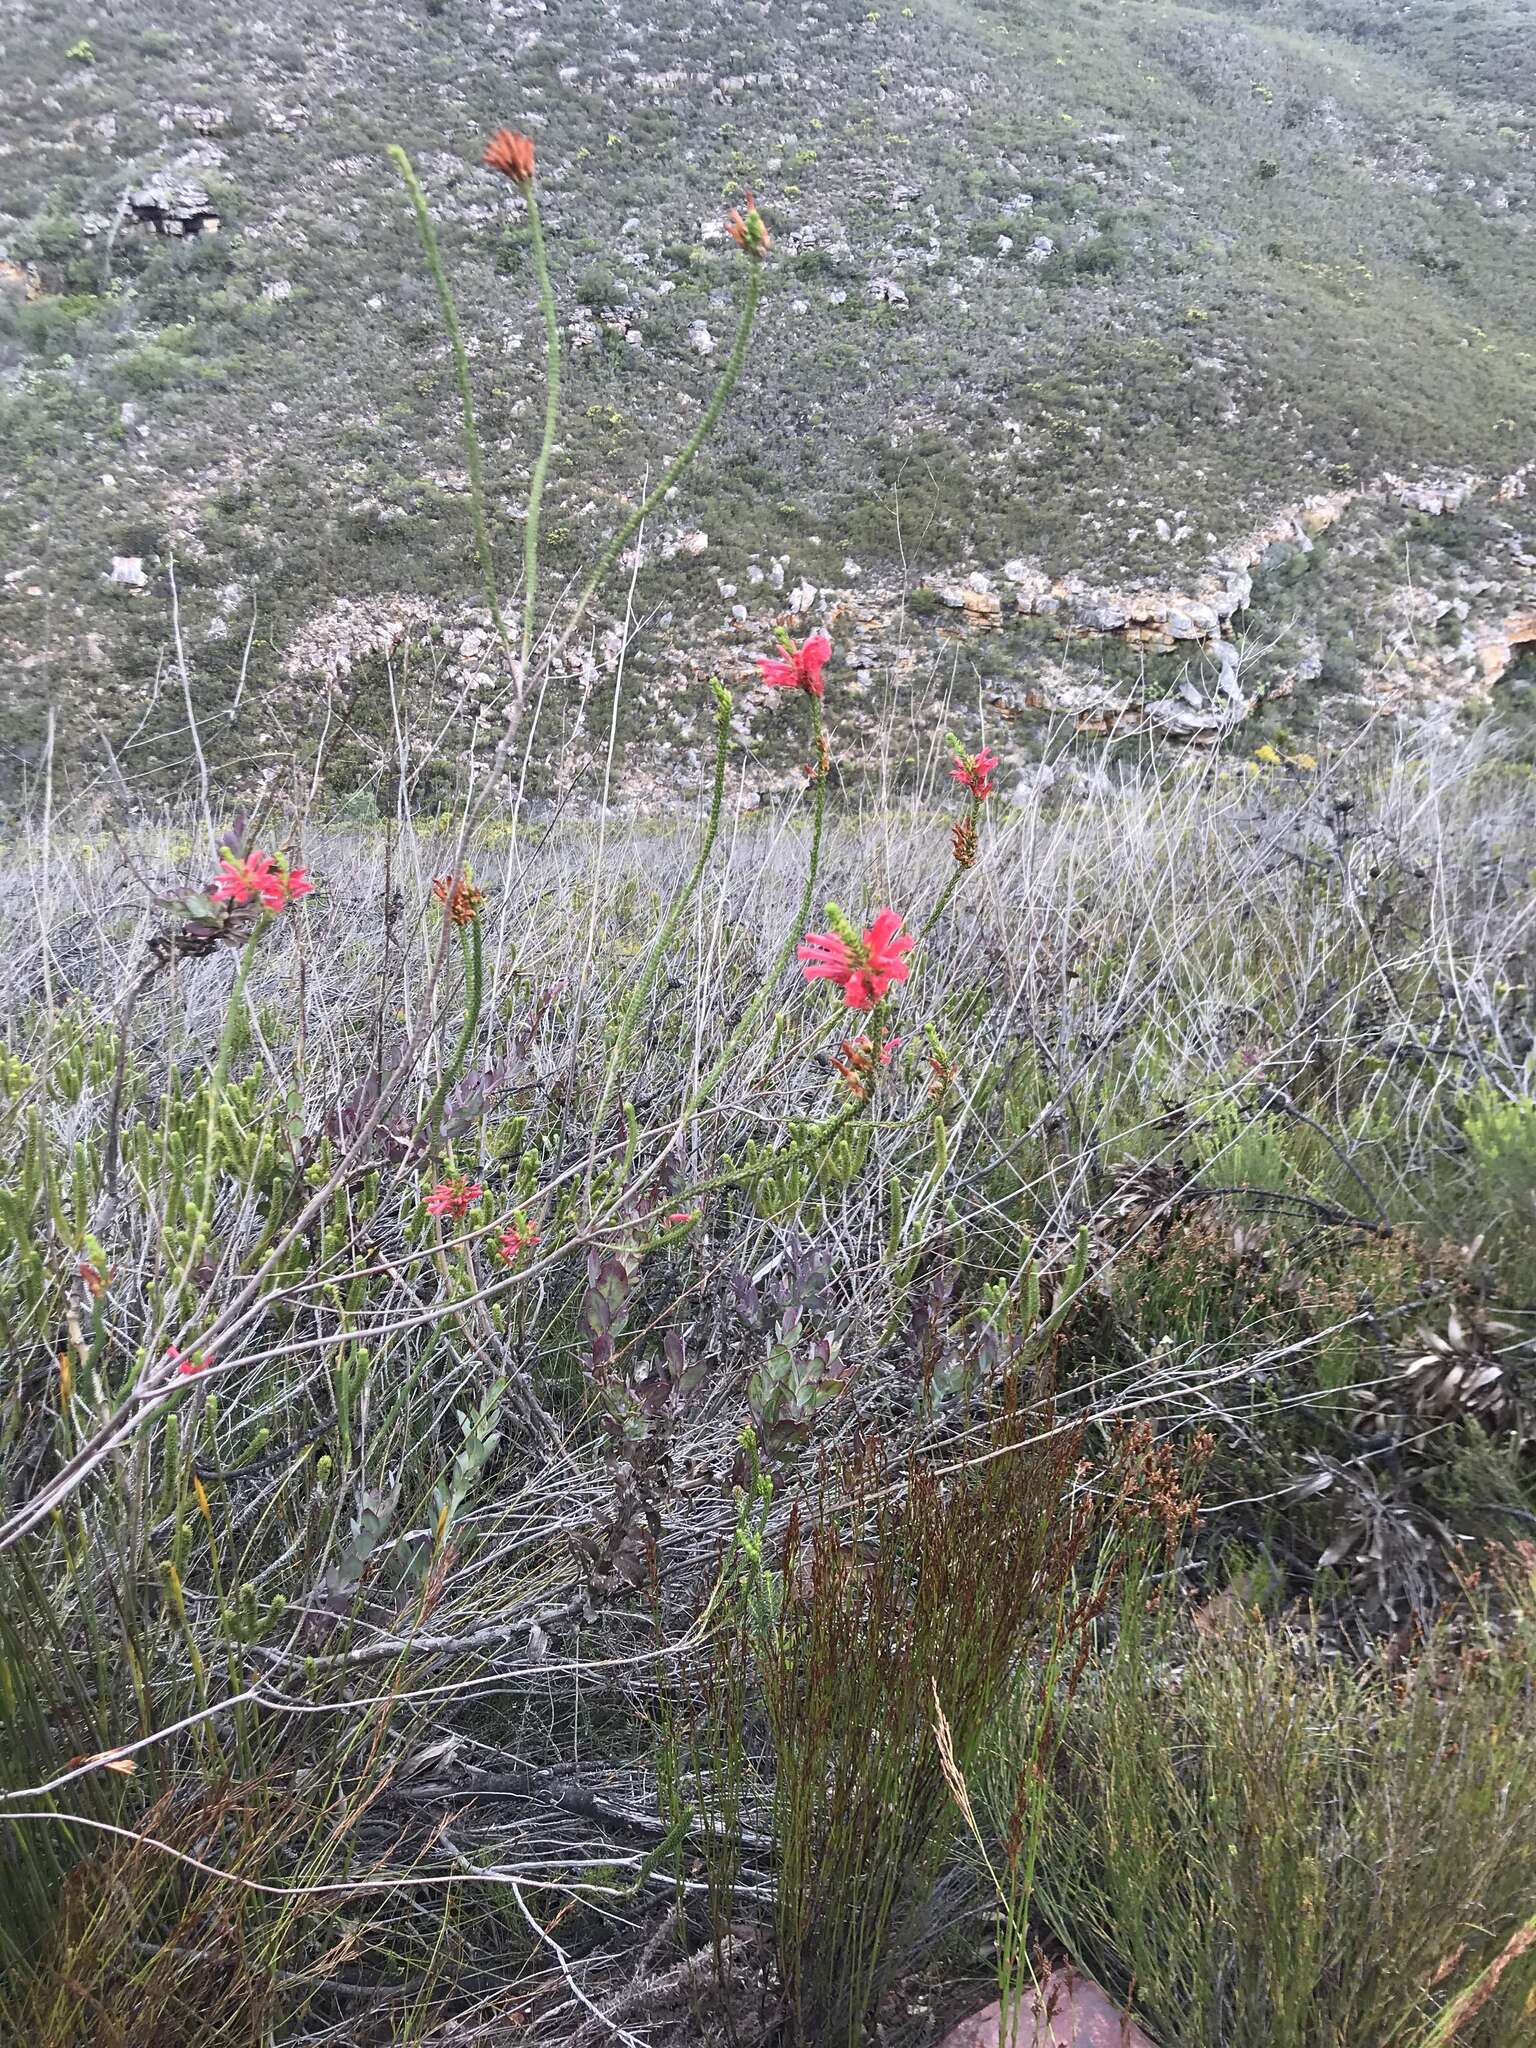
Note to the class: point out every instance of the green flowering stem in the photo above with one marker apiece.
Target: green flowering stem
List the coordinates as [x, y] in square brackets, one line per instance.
[957, 875]
[770, 981]
[808, 1146]
[629, 1015]
[474, 984]
[203, 1220]
[434, 258]
[942, 905]
[685, 455]
[551, 410]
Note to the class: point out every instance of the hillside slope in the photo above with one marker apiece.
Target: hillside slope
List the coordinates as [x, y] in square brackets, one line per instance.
[1101, 284]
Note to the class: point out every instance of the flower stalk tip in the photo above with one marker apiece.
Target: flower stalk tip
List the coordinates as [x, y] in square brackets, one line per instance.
[451, 1199]
[748, 230]
[974, 772]
[461, 901]
[521, 1237]
[258, 878]
[862, 964]
[511, 154]
[800, 667]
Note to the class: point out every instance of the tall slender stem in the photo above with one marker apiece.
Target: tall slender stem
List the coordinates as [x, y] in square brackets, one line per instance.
[428, 235]
[685, 455]
[474, 982]
[624, 1029]
[551, 412]
[796, 932]
[957, 875]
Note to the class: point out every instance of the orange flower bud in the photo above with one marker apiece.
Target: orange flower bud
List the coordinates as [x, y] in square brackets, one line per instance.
[749, 230]
[461, 901]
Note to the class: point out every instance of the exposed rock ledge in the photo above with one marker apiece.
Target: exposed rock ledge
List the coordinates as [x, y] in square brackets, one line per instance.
[1498, 655]
[1417, 669]
[1200, 612]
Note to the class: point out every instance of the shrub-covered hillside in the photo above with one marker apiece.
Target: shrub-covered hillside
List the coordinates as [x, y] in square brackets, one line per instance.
[1135, 277]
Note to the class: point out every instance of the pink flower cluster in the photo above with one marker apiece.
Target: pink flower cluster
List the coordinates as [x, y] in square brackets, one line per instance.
[975, 772]
[522, 1237]
[863, 969]
[259, 878]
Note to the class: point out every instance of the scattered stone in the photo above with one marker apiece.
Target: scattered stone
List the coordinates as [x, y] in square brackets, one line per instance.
[1498, 655]
[1067, 2011]
[128, 572]
[1105, 616]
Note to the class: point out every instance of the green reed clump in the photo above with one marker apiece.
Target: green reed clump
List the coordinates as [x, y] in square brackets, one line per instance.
[901, 1584]
[1268, 1846]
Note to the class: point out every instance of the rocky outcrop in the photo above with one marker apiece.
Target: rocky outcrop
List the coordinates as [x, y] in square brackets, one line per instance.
[1497, 655]
[334, 641]
[1198, 612]
[1433, 655]
[172, 205]
[20, 280]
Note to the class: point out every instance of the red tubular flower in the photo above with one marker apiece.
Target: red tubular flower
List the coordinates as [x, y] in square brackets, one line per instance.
[453, 1197]
[522, 1237]
[511, 154]
[855, 1063]
[187, 1363]
[257, 878]
[801, 668]
[863, 970]
[461, 900]
[823, 956]
[246, 878]
[975, 772]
